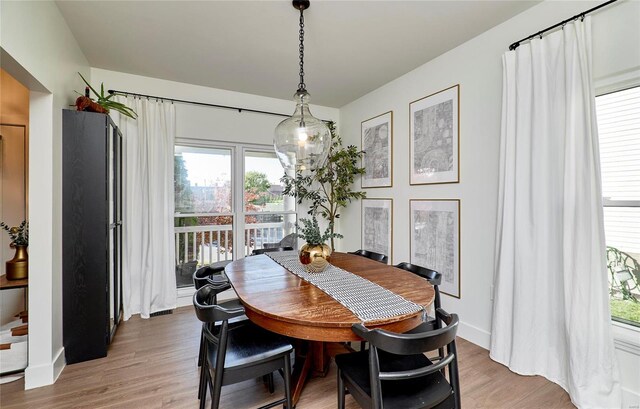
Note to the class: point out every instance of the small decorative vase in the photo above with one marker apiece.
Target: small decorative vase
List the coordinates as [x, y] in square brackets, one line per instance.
[17, 266]
[315, 257]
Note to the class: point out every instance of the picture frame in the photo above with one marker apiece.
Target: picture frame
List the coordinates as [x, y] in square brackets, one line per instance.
[434, 141]
[377, 226]
[377, 143]
[435, 239]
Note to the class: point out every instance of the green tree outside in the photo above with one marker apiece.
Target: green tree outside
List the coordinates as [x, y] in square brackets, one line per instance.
[256, 184]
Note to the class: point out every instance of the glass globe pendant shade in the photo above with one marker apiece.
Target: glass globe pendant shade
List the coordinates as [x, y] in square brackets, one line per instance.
[302, 142]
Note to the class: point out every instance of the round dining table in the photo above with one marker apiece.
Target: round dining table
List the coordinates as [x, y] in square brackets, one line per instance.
[281, 302]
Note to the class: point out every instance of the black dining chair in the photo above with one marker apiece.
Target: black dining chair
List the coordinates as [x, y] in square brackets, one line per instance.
[435, 279]
[270, 250]
[395, 373]
[235, 352]
[372, 255]
[213, 275]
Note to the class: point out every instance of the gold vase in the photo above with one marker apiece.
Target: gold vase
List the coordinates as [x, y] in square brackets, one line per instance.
[17, 266]
[315, 257]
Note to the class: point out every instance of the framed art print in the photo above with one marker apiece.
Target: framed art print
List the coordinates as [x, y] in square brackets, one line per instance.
[434, 138]
[435, 239]
[377, 144]
[377, 225]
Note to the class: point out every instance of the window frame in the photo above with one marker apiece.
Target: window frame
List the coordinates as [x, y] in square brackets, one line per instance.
[626, 335]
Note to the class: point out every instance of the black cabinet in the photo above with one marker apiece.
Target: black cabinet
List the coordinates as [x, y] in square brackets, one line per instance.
[91, 233]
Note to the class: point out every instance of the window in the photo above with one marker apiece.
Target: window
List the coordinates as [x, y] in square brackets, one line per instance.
[619, 131]
[217, 212]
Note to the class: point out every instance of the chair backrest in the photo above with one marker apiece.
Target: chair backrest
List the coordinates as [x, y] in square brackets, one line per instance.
[433, 277]
[290, 240]
[201, 276]
[413, 344]
[372, 255]
[207, 310]
[270, 250]
[187, 267]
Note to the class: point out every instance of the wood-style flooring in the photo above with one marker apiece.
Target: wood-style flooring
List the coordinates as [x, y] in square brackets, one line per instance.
[152, 364]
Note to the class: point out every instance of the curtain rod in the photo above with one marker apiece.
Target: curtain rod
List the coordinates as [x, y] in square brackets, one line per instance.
[562, 23]
[183, 101]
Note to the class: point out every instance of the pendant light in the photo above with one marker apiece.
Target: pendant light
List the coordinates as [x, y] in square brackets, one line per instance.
[302, 141]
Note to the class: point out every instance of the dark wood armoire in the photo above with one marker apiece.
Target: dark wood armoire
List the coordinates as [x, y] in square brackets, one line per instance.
[91, 233]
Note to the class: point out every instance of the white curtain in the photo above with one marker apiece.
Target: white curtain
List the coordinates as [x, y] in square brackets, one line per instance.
[149, 282]
[551, 311]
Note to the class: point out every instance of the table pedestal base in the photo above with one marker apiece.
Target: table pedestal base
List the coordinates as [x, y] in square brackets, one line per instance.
[312, 361]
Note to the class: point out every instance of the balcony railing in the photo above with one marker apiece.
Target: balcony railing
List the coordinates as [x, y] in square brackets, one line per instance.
[204, 244]
[212, 243]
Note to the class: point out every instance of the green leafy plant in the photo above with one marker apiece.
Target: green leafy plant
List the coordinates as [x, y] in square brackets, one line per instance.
[311, 232]
[106, 102]
[329, 188]
[19, 235]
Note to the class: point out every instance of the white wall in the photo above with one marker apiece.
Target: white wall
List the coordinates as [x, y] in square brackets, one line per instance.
[476, 66]
[39, 50]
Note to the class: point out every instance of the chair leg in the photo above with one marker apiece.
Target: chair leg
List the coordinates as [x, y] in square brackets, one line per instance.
[363, 345]
[340, 390]
[287, 381]
[270, 382]
[204, 384]
[216, 391]
[200, 383]
[200, 350]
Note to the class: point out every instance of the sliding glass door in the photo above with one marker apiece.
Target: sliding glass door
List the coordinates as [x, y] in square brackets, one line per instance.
[269, 216]
[228, 202]
[204, 217]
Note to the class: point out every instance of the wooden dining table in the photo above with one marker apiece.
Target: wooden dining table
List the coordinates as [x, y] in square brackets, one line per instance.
[281, 302]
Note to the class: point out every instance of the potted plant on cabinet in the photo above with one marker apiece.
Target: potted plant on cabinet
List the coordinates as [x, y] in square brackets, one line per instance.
[103, 104]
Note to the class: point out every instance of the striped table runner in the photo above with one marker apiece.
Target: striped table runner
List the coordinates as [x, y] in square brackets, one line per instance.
[366, 300]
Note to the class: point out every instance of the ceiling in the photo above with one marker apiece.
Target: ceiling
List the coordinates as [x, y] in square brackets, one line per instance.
[351, 47]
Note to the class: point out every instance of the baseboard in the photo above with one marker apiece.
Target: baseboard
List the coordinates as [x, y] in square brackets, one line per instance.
[475, 335]
[46, 374]
[630, 399]
[58, 364]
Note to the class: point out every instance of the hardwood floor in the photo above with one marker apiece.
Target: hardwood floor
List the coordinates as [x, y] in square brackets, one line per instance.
[152, 364]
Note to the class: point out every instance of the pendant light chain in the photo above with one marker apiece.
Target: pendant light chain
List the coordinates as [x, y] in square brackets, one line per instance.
[301, 86]
[302, 141]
